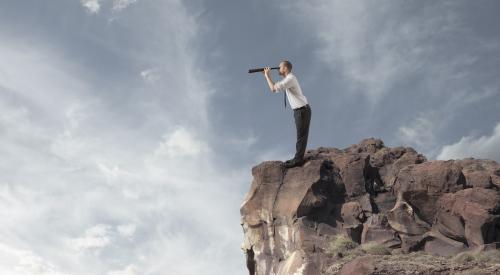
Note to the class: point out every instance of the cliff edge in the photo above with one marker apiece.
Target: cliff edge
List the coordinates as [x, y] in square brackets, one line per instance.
[312, 219]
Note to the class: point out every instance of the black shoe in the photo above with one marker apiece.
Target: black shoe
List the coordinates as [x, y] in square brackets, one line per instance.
[300, 162]
[293, 163]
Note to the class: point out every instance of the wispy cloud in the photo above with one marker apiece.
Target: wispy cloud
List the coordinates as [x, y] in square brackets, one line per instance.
[150, 75]
[421, 132]
[104, 180]
[119, 5]
[95, 237]
[378, 45]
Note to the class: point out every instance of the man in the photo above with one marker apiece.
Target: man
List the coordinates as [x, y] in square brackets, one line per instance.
[299, 104]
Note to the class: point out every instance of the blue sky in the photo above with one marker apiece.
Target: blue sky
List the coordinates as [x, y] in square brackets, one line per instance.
[128, 128]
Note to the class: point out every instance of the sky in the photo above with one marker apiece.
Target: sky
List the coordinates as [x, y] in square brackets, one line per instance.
[128, 128]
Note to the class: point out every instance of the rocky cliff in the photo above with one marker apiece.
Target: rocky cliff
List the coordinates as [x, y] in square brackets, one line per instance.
[370, 194]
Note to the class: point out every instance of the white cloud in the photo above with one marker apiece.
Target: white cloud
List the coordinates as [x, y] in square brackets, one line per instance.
[244, 141]
[129, 270]
[95, 237]
[150, 75]
[181, 142]
[100, 236]
[487, 147]
[24, 262]
[127, 230]
[423, 132]
[92, 6]
[420, 132]
[119, 5]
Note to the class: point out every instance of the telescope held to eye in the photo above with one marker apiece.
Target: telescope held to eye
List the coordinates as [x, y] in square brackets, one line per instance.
[261, 70]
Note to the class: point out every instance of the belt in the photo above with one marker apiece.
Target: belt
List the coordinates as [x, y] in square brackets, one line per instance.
[303, 107]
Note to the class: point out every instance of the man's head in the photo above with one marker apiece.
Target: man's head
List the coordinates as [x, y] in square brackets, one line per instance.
[285, 67]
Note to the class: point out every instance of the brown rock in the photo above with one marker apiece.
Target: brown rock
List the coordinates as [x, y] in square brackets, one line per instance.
[389, 161]
[277, 200]
[480, 172]
[437, 244]
[471, 214]
[353, 168]
[411, 243]
[352, 214]
[377, 229]
[296, 263]
[422, 184]
[267, 179]
[384, 202]
[370, 193]
[404, 219]
[367, 145]
[366, 204]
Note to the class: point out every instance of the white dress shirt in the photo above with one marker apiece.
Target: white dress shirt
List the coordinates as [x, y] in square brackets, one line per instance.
[293, 92]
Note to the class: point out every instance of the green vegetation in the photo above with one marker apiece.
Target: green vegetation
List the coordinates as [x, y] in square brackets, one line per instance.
[374, 248]
[490, 256]
[463, 257]
[485, 257]
[342, 246]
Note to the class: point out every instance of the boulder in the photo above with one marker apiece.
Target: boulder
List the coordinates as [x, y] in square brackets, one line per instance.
[480, 172]
[377, 229]
[471, 216]
[420, 185]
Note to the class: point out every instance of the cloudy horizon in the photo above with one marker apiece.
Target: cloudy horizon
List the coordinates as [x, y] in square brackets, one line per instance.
[129, 128]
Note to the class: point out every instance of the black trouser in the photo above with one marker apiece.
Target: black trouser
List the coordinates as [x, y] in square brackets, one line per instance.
[302, 117]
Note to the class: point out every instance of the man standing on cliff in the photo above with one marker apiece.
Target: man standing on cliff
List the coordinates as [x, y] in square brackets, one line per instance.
[299, 104]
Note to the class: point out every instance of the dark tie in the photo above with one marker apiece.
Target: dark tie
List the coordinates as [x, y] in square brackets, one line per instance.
[284, 98]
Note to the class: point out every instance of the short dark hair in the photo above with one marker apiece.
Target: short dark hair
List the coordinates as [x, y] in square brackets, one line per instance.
[288, 64]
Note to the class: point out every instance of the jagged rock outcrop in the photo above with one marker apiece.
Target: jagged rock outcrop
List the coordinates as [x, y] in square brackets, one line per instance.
[394, 197]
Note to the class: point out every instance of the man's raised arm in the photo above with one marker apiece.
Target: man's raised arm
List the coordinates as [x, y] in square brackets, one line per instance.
[278, 86]
[267, 74]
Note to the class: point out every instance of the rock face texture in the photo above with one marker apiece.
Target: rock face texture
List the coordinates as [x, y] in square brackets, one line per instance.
[394, 197]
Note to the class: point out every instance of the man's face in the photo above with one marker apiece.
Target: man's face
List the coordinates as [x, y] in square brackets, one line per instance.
[283, 69]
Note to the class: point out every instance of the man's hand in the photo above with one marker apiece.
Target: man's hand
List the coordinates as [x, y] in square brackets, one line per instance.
[266, 71]
[267, 74]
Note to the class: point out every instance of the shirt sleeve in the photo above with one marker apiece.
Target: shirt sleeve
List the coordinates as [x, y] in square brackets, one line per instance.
[283, 84]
